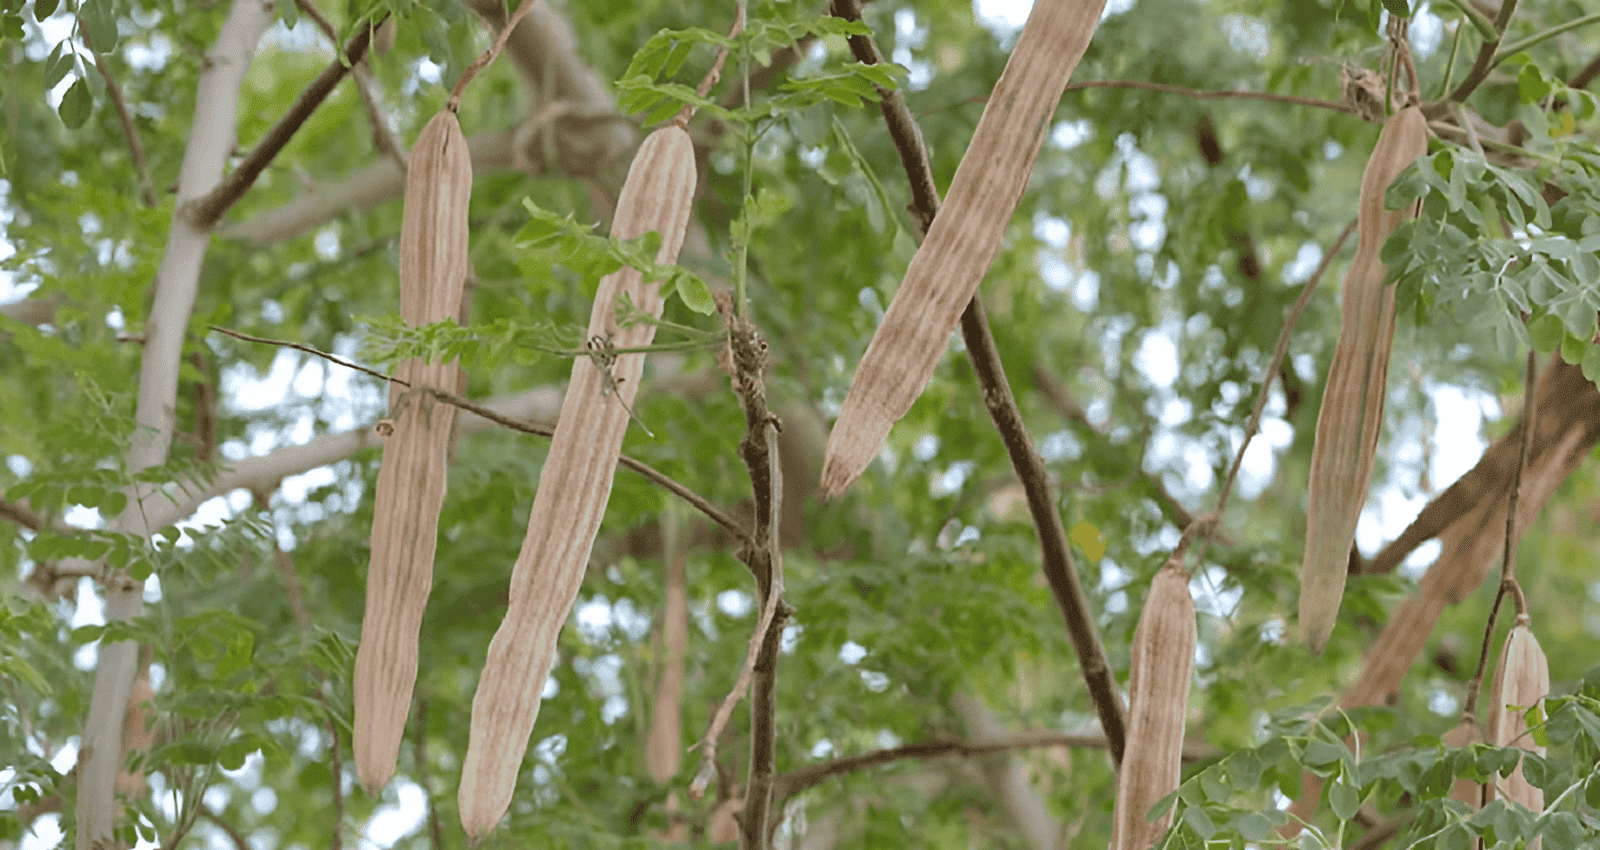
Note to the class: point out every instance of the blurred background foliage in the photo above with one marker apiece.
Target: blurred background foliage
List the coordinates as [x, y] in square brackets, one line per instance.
[1135, 304]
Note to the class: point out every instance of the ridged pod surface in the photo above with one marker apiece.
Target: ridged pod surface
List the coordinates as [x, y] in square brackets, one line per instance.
[1352, 403]
[1159, 676]
[1521, 681]
[411, 477]
[573, 489]
[952, 260]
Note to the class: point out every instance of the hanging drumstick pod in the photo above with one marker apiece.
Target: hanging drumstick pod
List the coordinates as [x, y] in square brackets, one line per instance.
[1351, 416]
[574, 485]
[1521, 681]
[1159, 675]
[411, 476]
[964, 239]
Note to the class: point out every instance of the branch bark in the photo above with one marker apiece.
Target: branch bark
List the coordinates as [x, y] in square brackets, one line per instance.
[177, 283]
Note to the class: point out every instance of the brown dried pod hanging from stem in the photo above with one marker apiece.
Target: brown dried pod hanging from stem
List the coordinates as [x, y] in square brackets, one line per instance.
[1521, 681]
[411, 478]
[1352, 402]
[1159, 677]
[947, 268]
[574, 485]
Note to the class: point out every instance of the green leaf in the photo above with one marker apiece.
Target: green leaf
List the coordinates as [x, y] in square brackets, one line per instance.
[1573, 349]
[76, 104]
[1591, 363]
[1196, 819]
[694, 292]
[43, 9]
[1322, 753]
[1344, 798]
[100, 23]
[61, 60]
[1547, 332]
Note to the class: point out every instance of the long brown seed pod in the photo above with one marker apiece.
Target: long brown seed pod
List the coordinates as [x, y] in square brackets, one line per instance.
[1352, 403]
[1158, 702]
[573, 488]
[411, 479]
[947, 268]
[1521, 681]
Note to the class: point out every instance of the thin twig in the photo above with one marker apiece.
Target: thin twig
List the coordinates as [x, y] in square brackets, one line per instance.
[712, 76]
[1272, 369]
[204, 213]
[1197, 94]
[233, 833]
[487, 56]
[1508, 557]
[793, 782]
[660, 479]
[1056, 554]
[1530, 413]
[336, 767]
[1380, 833]
[292, 591]
[141, 164]
[383, 137]
[1207, 94]
[1480, 66]
[1056, 393]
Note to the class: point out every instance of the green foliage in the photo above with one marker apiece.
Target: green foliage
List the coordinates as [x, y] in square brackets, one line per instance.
[918, 589]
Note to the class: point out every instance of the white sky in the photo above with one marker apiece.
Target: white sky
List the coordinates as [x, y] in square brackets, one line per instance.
[1458, 417]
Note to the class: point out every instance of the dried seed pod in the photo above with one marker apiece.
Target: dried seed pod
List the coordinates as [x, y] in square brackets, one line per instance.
[411, 478]
[945, 273]
[1521, 681]
[1352, 403]
[1158, 700]
[573, 488]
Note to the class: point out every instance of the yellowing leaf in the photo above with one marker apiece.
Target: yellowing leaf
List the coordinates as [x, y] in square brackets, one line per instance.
[1089, 540]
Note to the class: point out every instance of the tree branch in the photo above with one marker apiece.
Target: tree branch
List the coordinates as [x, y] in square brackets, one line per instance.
[1273, 367]
[1056, 555]
[1508, 558]
[177, 282]
[383, 137]
[204, 213]
[1480, 66]
[792, 782]
[233, 833]
[21, 515]
[1203, 94]
[761, 552]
